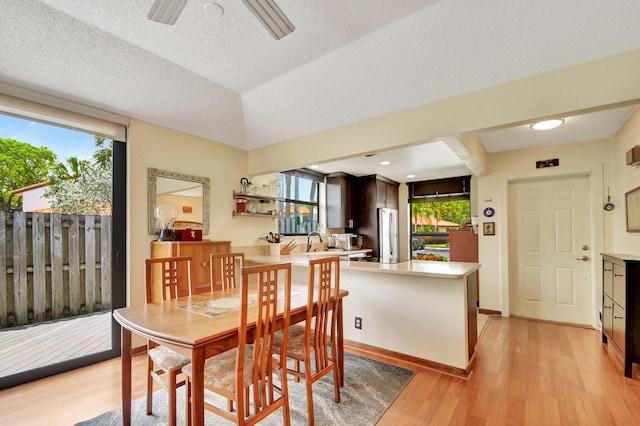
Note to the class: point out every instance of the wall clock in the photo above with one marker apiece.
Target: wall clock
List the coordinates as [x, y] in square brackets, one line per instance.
[489, 212]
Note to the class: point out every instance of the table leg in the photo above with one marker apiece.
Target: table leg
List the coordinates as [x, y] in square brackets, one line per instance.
[197, 386]
[340, 332]
[126, 376]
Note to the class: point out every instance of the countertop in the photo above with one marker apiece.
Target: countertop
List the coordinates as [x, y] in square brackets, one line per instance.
[621, 256]
[452, 270]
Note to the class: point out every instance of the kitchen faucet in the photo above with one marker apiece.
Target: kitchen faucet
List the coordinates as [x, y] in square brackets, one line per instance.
[309, 239]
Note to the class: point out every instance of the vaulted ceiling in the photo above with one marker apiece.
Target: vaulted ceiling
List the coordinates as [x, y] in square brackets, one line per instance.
[226, 79]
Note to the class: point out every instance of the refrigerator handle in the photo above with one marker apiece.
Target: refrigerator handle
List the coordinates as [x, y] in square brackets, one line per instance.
[390, 229]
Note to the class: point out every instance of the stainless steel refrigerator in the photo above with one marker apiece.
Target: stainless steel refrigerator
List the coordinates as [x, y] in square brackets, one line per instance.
[388, 235]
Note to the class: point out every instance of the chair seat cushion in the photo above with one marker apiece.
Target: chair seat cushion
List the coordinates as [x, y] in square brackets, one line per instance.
[295, 342]
[220, 370]
[168, 359]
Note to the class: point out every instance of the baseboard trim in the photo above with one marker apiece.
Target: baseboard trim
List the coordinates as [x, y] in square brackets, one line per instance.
[488, 312]
[568, 324]
[381, 354]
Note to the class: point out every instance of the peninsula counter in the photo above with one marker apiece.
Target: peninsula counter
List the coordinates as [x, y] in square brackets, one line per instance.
[422, 311]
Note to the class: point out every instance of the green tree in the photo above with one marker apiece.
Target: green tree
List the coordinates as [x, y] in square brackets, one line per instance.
[89, 193]
[21, 165]
[82, 187]
[452, 211]
[102, 158]
[72, 170]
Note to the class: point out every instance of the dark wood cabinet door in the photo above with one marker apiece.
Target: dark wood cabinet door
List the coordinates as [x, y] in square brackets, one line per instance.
[381, 194]
[340, 199]
[392, 196]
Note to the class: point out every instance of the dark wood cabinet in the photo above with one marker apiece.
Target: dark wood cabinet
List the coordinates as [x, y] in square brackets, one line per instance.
[199, 251]
[375, 192]
[341, 212]
[463, 247]
[621, 306]
[386, 194]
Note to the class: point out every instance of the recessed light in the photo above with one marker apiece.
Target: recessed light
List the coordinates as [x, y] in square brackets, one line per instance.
[411, 176]
[385, 163]
[314, 166]
[547, 124]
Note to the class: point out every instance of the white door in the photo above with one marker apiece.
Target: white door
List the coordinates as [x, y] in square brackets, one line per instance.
[550, 271]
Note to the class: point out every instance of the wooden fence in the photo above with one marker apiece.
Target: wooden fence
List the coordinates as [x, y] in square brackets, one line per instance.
[53, 266]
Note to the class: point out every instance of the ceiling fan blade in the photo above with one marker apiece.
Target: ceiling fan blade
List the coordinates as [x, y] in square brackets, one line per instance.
[271, 17]
[166, 11]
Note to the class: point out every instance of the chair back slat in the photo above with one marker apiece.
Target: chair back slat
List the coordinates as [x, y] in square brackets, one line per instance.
[174, 277]
[324, 286]
[272, 314]
[222, 267]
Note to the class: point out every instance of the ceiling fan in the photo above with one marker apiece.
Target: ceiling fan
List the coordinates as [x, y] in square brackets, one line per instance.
[266, 11]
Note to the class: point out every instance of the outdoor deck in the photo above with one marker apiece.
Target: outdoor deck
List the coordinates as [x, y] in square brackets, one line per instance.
[27, 347]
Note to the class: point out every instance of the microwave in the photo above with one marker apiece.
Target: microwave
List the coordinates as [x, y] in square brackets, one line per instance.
[347, 241]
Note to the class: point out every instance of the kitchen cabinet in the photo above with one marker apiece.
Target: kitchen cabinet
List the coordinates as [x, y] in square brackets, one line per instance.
[255, 205]
[341, 210]
[621, 306]
[463, 247]
[199, 252]
[387, 194]
[375, 192]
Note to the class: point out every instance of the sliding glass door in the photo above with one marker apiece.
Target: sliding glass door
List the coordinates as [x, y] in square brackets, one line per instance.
[62, 258]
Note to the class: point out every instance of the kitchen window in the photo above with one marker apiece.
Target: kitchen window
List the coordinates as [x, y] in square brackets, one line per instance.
[437, 206]
[299, 207]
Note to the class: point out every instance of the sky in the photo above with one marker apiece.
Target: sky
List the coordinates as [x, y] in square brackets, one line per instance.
[63, 142]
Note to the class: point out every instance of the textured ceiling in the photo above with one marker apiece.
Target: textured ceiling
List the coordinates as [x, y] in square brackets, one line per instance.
[226, 79]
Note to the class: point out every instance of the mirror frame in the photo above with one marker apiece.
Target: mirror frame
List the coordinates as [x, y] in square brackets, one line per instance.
[153, 174]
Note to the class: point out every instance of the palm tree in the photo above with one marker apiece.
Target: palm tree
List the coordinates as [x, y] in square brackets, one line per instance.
[72, 170]
[102, 158]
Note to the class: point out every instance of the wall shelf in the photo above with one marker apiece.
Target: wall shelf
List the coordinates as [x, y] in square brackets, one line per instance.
[273, 201]
[254, 196]
[255, 214]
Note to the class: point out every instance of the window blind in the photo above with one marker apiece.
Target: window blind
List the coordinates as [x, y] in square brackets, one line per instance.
[24, 103]
[456, 188]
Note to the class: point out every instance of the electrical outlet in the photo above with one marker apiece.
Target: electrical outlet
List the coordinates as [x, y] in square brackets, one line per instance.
[358, 323]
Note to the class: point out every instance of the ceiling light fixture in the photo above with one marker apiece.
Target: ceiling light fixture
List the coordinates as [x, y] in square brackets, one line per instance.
[547, 124]
[385, 163]
[411, 176]
[166, 11]
[314, 166]
[271, 16]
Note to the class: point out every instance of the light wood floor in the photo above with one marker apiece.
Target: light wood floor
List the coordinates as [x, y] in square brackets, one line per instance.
[525, 373]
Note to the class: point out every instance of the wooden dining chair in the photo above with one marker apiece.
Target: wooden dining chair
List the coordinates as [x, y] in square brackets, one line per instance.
[317, 336]
[172, 277]
[247, 373]
[222, 268]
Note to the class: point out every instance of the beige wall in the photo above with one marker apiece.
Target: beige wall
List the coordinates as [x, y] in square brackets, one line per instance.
[592, 158]
[154, 146]
[626, 178]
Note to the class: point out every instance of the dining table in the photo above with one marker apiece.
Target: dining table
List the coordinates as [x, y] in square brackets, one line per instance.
[200, 326]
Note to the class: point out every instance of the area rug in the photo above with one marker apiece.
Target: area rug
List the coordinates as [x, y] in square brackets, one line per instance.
[369, 388]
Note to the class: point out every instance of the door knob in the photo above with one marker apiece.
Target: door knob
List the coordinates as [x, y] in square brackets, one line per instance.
[584, 258]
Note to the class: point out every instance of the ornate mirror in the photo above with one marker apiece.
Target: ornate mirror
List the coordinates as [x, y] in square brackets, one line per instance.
[189, 193]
